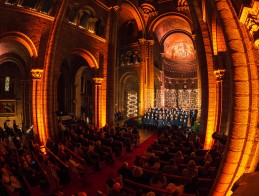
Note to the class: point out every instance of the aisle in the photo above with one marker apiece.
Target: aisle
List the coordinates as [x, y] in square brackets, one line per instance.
[96, 180]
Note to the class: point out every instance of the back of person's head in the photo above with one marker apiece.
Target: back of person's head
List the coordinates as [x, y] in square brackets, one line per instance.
[191, 164]
[152, 160]
[125, 165]
[171, 144]
[155, 141]
[172, 162]
[151, 193]
[98, 143]
[149, 149]
[117, 187]
[166, 149]
[81, 194]
[178, 154]
[207, 164]
[137, 172]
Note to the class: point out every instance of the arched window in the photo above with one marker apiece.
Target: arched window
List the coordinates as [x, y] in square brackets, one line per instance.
[7, 84]
[72, 14]
[99, 27]
[84, 20]
[29, 3]
[46, 6]
[11, 2]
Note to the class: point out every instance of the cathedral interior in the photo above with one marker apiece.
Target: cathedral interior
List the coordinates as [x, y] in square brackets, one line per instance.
[96, 58]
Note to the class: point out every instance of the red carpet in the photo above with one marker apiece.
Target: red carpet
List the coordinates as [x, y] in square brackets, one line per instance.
[94, 181]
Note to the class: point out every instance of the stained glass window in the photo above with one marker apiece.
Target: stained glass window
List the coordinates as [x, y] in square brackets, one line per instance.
[7, 83]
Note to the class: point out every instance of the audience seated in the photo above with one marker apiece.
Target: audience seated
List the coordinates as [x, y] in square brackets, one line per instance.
[137, 176]
[166, 156]
[179, 159]
[205, 171]
[158, 180]
[191, 170]
[152, 163]
[124, 171]
[171, 168]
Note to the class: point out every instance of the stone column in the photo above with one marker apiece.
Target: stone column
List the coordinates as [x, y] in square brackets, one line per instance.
[151, 73]
[142, 76]
[219, 75]
[39, 134]
[25, 113]
[47, 85]
[97, 102]
[163, 81]
[112, 85]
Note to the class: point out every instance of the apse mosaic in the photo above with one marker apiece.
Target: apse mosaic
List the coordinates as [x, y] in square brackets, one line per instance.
[179, 46]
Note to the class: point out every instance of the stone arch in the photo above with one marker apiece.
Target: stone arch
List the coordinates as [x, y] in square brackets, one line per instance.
[21, 38]
[78, 88]
[122, 80]
[132, 8]
[162, 17]
[90, 59]
[244, 119]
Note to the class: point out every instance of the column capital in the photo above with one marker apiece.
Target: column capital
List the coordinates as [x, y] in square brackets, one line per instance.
[36, 74]
[97, 81]
[151, 42]
[142, 41]
[219, 74]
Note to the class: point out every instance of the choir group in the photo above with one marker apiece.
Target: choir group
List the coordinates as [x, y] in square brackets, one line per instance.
[176, 118]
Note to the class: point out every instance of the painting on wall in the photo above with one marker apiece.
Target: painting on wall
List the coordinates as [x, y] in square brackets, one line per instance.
[7, 107]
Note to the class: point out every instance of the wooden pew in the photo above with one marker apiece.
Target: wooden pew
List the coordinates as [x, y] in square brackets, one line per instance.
[136, 185]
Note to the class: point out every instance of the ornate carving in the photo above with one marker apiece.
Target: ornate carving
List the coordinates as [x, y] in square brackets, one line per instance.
[36, 74]
[98, 81]
[219, 74]
[250, 18]
[182, 6]
[142, 41]
[151, 42]
[148, 8]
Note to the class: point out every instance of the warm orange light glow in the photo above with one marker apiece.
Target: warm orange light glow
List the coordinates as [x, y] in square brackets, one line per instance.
[23, 39]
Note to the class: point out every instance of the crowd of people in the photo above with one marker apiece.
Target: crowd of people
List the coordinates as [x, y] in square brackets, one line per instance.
[24, 163]
[174, 155]
[176, 118]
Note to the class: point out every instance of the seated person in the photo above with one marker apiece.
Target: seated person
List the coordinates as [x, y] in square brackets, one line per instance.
[152, 163]
[149, 153]
[166, 156]
[117, 190]
[179, 159]
[10, 182]
[155, 145]
[158, 180]
[172, 148]
[103, 155]
[171, 168]
[138, 176]
[124, 170]
[30, 174]
[191, 170]
[205, 171]
[74, 166]
[138, 161]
